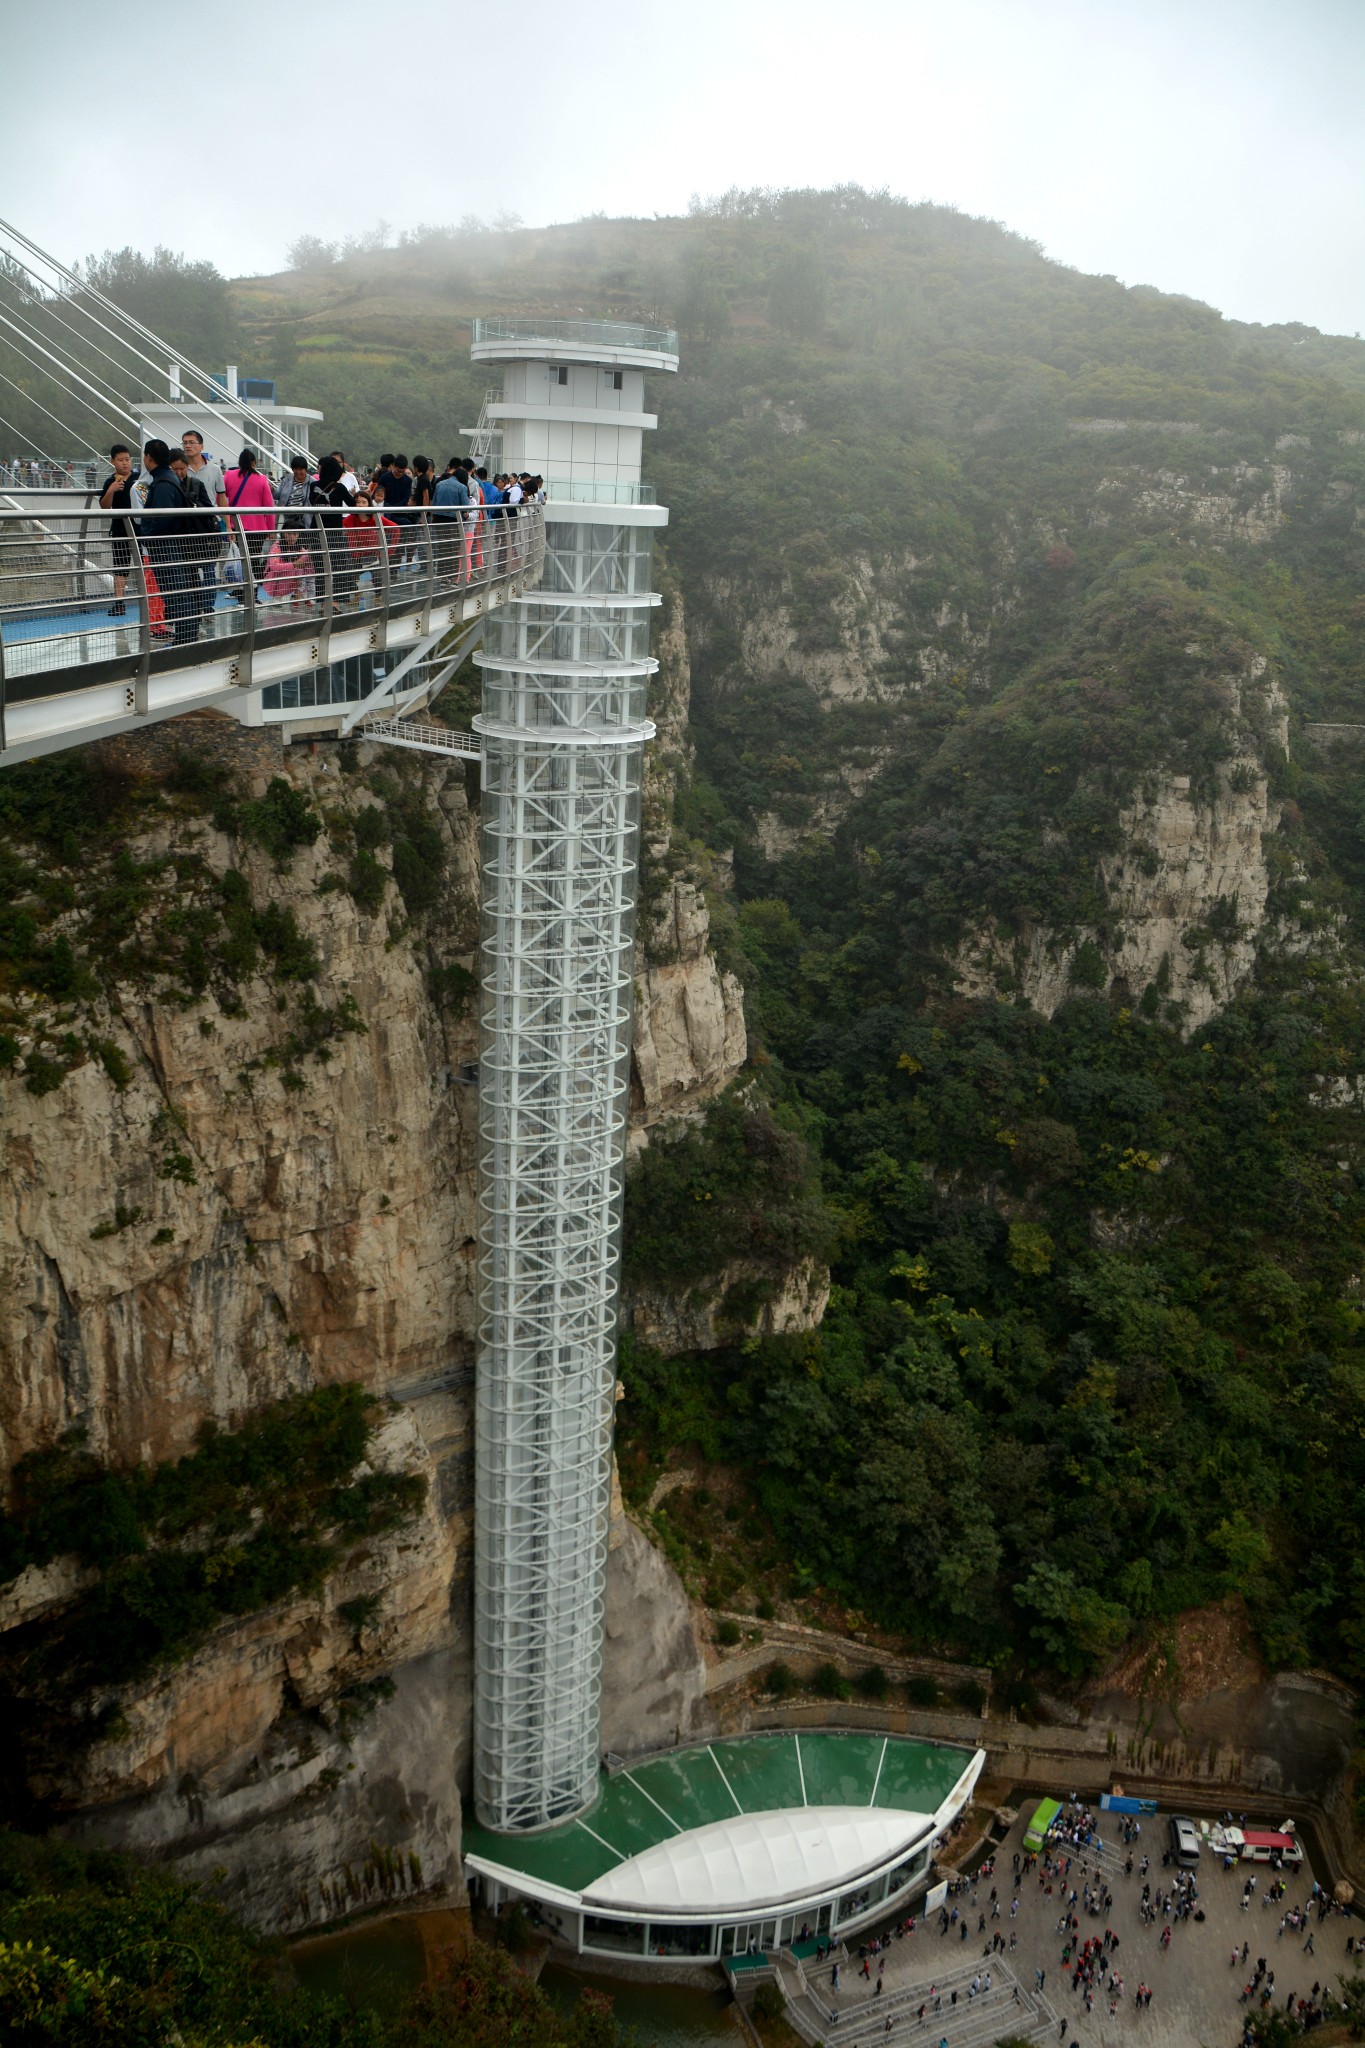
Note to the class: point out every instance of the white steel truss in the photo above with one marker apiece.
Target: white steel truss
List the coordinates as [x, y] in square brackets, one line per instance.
[560, 830]
[566, 671]
[563, 730]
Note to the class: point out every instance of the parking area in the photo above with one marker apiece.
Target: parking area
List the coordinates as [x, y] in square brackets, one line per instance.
[1195, 1987]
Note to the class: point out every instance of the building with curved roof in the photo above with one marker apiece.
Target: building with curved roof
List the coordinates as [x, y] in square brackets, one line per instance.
[737, 1844]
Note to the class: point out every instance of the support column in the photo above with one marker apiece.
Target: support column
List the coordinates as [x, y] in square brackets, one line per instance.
[565, 676]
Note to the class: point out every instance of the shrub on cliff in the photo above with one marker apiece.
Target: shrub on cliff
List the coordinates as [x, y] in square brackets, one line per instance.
[737, 1186]
[281, 821]
[250, 1517]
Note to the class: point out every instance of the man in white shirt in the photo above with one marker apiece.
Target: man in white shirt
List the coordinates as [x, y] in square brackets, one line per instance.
[205, 547]
[348, 475]
[206, 467]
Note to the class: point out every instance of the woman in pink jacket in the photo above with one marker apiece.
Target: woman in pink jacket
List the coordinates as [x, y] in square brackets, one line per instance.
[249, 493]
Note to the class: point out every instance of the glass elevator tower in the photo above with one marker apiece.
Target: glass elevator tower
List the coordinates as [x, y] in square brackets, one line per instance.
[565, 674]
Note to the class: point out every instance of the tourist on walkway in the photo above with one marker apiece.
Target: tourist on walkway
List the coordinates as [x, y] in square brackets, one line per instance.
[294, 493]
[333, 500]
[164, 538]
[249, 494]
[206, 471]
[201, 535]
[117, 492]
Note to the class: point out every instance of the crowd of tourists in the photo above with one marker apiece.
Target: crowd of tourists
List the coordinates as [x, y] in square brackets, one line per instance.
[282, 540]
[42, 474]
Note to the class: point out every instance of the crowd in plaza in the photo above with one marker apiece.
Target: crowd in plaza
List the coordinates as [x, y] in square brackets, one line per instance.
[1088, 1964]
[1100, 1918]
[206, 530]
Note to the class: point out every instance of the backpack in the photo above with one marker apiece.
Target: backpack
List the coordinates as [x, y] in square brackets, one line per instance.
[164, 529]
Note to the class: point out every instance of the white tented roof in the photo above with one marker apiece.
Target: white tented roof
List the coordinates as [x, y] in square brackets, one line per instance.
[727, 1865]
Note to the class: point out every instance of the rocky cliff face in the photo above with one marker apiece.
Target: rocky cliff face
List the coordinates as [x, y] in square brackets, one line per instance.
[214, 1214]
[1190, 886]
[689, 1039]
[1189, 889]
[709, 1317]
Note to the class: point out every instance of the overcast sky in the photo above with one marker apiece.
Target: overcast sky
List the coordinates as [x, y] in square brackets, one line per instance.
[1213, 147]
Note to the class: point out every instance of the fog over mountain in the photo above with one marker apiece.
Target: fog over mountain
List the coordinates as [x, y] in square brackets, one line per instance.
[1212, 148]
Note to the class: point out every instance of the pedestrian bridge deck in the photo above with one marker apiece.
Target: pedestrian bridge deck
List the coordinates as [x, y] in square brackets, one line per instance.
[72, 668]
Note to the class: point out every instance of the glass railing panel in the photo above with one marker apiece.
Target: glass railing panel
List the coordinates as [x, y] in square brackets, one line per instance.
[581, 333]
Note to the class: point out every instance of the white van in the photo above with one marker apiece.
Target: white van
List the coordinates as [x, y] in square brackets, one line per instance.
[1184, 1841]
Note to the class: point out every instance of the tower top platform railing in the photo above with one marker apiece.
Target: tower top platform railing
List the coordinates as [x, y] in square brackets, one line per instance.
[499, 338]
[598, 491]
[109, 617]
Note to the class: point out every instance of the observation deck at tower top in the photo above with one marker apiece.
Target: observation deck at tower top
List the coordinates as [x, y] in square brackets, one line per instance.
[613, 343]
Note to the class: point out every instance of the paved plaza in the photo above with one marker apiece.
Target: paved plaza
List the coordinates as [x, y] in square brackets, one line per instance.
[1195, 2001]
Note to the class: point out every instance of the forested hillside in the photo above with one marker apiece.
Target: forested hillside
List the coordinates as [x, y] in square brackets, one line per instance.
[1010, 594]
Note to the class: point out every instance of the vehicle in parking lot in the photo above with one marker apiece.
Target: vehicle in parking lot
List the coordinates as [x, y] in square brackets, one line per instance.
[1035, 1835]
[1184, 1841]
[1270, 1845]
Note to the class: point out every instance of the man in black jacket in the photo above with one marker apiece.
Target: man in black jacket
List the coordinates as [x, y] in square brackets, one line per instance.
[165, 540]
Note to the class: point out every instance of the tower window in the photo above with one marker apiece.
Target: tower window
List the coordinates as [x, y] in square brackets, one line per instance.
[561, 375]
[617, 379]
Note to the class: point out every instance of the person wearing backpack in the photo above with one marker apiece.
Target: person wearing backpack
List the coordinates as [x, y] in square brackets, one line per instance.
[201, 545]
[165, 538]
[249, 493]
[333, 497]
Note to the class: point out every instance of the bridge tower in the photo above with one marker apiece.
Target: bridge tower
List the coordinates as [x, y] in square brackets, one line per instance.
[565, 674]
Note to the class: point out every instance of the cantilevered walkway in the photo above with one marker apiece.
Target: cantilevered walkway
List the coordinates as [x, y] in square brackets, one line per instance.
[100, 634]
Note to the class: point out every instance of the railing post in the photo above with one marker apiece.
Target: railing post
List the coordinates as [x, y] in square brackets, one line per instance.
[82, 569]
[139, 566]
[430, 543]
[385, 583]
[248, 646]
[328, 591]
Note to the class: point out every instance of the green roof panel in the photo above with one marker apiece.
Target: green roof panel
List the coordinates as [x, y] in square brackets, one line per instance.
[666, 1795]
[688, 1785]
[917, 1777]
[627, 1818]
[566, 1856]
[764, 1775]
[840, 1770]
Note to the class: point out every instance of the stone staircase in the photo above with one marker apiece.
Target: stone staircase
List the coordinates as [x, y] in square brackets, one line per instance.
[860, 2019]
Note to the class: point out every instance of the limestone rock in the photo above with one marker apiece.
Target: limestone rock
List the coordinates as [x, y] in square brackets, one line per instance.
[654, 1668]
[279, 1237]
[1190, 885]
[689, 1035]
[745, 1299]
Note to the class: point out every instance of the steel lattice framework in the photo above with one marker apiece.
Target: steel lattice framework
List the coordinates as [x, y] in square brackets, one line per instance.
[565, 673]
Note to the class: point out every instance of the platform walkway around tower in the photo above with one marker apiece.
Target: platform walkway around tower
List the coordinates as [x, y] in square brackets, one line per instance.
[648, 1803]
[73, 669]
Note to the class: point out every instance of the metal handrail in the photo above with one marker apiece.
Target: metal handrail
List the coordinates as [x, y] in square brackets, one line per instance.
[119, 597]
[624, 334]
[591, 491]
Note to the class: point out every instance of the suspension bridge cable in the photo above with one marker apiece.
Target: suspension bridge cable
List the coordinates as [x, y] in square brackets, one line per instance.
[55, 460]
[29, 400]
[47, 305]
[263, 426]
[107, 408]
[50, 346]
[190, 411]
